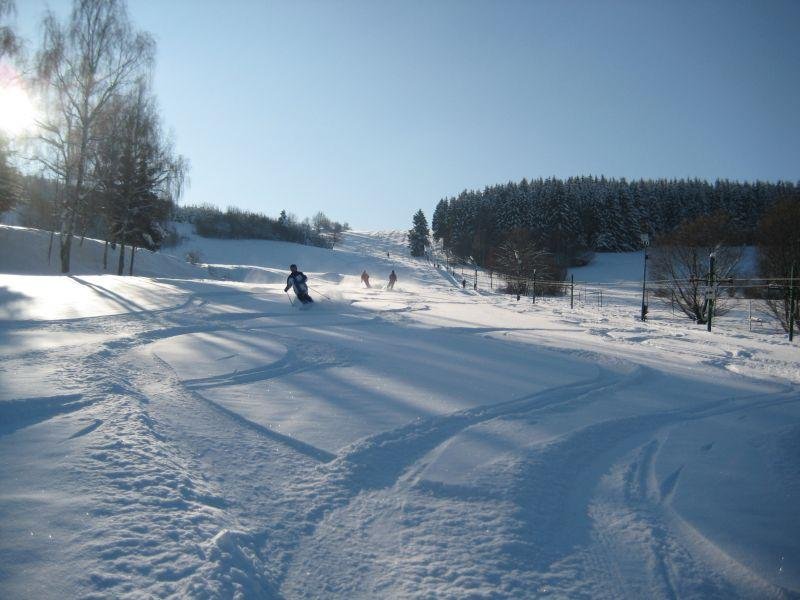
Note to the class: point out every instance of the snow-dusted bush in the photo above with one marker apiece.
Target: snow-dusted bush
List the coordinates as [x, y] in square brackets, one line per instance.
[193, 257]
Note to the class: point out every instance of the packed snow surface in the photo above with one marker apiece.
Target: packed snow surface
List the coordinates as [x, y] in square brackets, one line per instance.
[179, 435]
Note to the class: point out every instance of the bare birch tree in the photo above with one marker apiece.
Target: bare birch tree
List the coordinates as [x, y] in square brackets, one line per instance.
[82, 65]
[9, 45]
[681, 264]
[9, 42]
[521, 261]
[778, 244]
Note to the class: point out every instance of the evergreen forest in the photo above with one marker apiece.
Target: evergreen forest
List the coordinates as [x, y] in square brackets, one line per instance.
[575, 217]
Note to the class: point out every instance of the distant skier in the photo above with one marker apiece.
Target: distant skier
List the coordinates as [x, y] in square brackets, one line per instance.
[297, 280]
[464, 283]
[392, 280]
[365, 278]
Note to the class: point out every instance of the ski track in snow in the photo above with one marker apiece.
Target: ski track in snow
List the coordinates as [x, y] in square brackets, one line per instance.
[529, 524]
[186, 497]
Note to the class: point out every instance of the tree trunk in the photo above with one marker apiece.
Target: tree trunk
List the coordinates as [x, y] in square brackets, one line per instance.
[68, 224]
[121, 265]
[105, 256]
[66, 248]
[71, 220]
[133, 252]
[50, 246]
[65, 238]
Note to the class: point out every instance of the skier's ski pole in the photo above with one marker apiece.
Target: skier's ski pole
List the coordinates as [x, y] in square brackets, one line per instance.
[320, 293]
[289, 297]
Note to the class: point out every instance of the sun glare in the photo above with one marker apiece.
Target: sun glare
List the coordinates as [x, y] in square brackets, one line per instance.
[17, 111]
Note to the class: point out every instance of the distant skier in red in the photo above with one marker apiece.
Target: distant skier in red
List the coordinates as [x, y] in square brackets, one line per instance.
[297, 280]
[392, 280]
[365, 278]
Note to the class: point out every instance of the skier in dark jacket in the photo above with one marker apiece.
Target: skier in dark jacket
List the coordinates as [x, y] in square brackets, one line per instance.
[392, 280]
[297, 280]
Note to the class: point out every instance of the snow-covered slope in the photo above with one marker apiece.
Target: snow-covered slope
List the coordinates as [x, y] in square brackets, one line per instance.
[25, 251]
[262, 261]
[207, 439]
[357, 252]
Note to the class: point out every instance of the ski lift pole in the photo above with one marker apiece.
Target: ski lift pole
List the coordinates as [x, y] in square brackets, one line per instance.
[474, 266]
[572, 291]
[710, 291]
[645, 243]
[792, 303]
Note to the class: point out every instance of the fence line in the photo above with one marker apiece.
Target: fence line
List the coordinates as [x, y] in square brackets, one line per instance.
[745, 299]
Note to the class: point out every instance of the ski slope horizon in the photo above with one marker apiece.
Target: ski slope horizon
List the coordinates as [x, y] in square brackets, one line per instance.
[189, 432]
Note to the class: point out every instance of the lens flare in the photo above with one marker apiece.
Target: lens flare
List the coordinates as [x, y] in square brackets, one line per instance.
[18, 113]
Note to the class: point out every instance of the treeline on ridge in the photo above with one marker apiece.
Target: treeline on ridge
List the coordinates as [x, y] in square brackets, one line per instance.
[35, 198]
[234, 223]
[572, 218]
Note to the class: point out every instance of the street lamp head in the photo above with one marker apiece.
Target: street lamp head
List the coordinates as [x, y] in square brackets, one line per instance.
[645, 237]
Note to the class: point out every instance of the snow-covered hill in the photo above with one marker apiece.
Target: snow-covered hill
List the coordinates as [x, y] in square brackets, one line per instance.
[24, 251]
[359, 250]
[175, 435]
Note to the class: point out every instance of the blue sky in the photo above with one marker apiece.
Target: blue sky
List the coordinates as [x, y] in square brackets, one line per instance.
[371, 110]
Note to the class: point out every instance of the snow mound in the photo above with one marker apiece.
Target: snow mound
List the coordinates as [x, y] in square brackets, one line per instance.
[246, 274]
[331, 277]
[232, 569]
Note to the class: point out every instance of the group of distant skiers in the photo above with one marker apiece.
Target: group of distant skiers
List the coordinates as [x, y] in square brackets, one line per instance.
[297, 280]
[392, 279]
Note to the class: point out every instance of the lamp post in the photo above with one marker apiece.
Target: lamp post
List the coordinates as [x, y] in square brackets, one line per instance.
[792, 301]
[645, 243]
[572, 291]
[475, 266]
[711, 289]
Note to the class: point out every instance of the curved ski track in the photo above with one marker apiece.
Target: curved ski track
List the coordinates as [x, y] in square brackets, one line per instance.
[193, 500]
